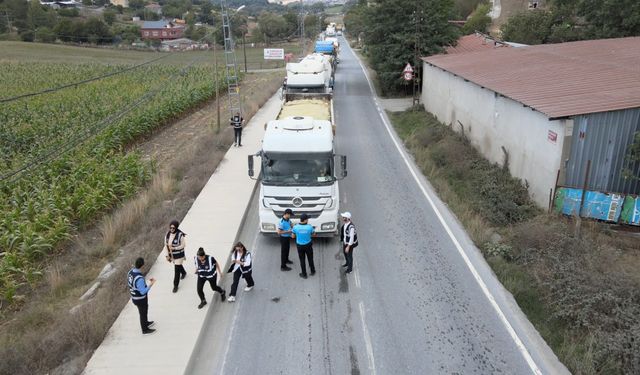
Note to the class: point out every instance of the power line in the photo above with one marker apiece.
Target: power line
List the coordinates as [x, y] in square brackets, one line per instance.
[58, 88]
[58, 150]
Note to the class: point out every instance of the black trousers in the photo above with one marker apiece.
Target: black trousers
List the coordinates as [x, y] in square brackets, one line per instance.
[178, 270]
[237, 132]
[306, 251]
[143, 310]
[348, 257]
[212, 282]
[285, 244]
[236, 280]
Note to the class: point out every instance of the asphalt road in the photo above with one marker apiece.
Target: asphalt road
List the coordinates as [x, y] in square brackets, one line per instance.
[419, 302]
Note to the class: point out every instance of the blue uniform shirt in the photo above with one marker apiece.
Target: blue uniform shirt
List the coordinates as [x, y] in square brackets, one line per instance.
[141, 285]
[303, 233]
[285, 225]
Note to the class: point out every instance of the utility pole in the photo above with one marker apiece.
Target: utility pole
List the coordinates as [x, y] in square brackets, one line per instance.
[415, 100]
[302, 26]
[215, 74]
[244, 49]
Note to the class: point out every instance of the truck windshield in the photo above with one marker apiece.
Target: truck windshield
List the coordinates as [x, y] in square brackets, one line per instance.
[297, 171]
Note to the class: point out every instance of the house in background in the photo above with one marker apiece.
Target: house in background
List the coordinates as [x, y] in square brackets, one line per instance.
[545, 111]
[123, 3]
[162, 30]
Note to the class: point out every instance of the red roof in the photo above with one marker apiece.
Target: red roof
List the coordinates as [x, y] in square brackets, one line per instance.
[473, 43]
[559, 80]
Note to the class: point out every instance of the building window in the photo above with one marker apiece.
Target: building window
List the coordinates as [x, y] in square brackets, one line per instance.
[155, 33]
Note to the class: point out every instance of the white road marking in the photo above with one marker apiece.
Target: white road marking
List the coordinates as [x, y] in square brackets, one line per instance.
[356, 274]
[514, 336]
[367, 341]
[235, 314]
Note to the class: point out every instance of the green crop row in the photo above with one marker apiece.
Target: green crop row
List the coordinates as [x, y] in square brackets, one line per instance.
[61, 191]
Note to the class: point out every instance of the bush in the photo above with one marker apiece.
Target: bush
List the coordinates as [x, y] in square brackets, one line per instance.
[478, 21]
[27, 36]
[45, 35]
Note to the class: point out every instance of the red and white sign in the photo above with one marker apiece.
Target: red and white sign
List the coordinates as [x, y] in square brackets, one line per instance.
[274, 54]
[407, 73]
[552, 136]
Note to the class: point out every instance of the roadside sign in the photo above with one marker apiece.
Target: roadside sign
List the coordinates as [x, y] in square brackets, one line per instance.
[408, 76]
[274, 54]
[408, 68]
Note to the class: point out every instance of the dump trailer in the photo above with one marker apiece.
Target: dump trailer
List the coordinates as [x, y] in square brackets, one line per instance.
[299, 168]
[328, 48]
[313, 74]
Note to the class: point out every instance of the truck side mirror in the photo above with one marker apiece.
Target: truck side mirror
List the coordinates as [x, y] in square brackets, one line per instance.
[343, 163]
[250, 163]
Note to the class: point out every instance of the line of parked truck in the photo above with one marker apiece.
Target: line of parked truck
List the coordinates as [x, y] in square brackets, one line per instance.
[299, 167]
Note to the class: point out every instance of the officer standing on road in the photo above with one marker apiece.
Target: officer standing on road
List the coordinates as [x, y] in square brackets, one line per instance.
[236, 123]
[175, 243]
[139, 290]
[349, 240]
[303, 232]
[284, 231]
[208, 270]
[241, 263]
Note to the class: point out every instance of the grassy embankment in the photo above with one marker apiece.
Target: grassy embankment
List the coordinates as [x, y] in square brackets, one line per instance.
[115, 168]
[581, 293]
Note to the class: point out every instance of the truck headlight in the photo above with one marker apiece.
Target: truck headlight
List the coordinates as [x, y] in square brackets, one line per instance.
[328, 226]
[329, 203]
[268, 227]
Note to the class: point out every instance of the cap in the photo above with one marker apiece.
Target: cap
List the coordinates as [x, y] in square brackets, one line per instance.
[288, 211]
[304, 217]
[346, 214]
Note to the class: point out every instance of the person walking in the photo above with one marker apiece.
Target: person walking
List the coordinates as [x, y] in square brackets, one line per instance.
[236, 123]
[208, 270]
[175, 243]
[349, 240]
[139, 290]
[303, 232]
[241, 263]
[284, 231]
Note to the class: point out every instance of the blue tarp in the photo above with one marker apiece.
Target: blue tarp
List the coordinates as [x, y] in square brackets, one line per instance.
[324, 47]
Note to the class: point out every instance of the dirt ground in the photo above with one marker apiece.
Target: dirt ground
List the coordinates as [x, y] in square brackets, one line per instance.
[52, 330]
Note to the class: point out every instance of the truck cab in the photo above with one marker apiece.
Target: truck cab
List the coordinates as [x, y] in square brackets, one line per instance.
[299, 168]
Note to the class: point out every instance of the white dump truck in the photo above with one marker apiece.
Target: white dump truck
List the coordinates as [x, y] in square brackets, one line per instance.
[314, 74]
[299, 168]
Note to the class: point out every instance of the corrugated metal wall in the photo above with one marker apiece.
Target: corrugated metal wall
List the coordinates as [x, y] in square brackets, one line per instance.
[603, 138]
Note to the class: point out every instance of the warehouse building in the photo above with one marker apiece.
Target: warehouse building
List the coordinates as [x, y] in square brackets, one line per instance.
[545, 110]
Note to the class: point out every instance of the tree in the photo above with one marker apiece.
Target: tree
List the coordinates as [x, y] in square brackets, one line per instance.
[611, 18]
[478, 21]
[45, 35]
[291, 19]
[530, 27]
[136, 4]
[40, 15]
[109, 15]
[272, 26]
[398, 32]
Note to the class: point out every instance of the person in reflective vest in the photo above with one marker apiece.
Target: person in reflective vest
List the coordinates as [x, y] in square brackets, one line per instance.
[303, 233]
[284, 231]
[349, 239]
[241, 264]
[174, 242]
[139, 290]
[208, 270]
[236, 123]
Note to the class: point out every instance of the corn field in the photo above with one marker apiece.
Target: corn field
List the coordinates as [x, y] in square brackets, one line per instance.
[64, 153]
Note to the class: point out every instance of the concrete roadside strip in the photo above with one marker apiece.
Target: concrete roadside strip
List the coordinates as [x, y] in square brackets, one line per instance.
[212, 222]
